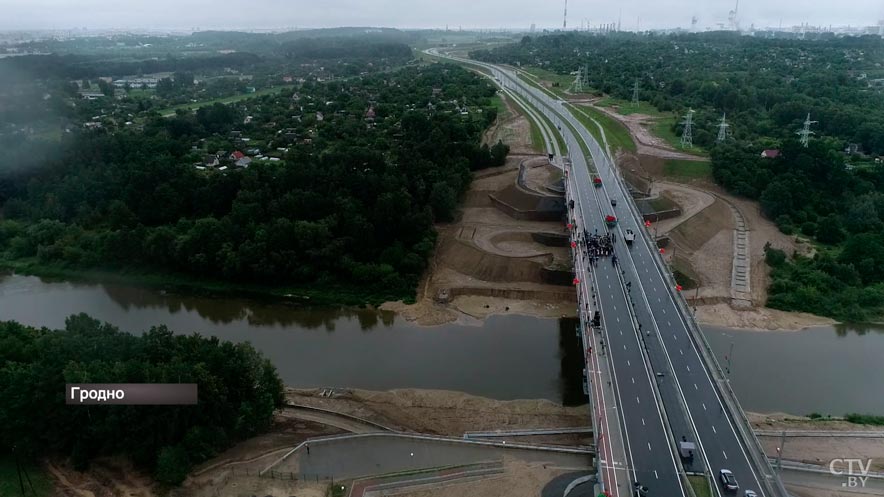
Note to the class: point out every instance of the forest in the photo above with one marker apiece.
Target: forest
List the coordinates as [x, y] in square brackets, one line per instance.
[238, 392]
[347, 202]
[766, 87]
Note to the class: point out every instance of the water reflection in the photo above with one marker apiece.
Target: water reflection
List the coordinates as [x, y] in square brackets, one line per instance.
[508, 357]
[830, 370]
[858, 328]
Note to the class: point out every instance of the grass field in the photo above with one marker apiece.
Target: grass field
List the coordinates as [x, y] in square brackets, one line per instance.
[9, 485]
[502, 112]
[617, 134]
[564, 80]
[663, 129]
[170, 111]
[626, 108]
[687, 169]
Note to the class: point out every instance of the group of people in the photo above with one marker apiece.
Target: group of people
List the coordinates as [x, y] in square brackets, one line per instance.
[596, 246]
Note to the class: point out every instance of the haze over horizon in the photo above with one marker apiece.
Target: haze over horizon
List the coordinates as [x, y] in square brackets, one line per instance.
[468, 14]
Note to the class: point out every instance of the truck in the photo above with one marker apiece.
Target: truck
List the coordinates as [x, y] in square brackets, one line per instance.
[629, 237]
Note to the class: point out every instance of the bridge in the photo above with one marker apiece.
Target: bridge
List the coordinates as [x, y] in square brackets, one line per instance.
[662, 407]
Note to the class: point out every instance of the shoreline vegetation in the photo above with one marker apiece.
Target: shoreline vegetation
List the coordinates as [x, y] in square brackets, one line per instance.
[763, 319]
[332, 295]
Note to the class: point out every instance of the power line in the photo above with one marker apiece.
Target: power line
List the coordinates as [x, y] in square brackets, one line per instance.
[687, 137]
[805, 131]
[723, 129]
[635, 93]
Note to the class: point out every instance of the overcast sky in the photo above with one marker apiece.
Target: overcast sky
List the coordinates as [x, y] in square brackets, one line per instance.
[256, 14]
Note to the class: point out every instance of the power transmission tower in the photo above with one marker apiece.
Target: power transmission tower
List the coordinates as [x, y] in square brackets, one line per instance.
[723, 129]
[581, 81]
[635, 93]
[687, 138]
[806, 132]
[565, 20]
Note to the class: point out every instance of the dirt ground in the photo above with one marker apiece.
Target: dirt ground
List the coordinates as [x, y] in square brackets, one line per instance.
[818, 450]
[702, 239]
[647, 142]
[519, 479]
[442, 412]
[513, 129]
[487, 262]
[232, 474]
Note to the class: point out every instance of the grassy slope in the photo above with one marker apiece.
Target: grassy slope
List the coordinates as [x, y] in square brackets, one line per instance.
[687, 169]
[618, 135]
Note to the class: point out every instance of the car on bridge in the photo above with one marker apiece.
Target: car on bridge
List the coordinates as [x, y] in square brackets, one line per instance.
[728, 480]
[629, 236]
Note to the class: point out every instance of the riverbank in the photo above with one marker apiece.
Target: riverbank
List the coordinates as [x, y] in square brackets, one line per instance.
[439, 412]
[337, 295]
[758, 319]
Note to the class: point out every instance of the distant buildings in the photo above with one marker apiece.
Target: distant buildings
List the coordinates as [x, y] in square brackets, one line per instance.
[136, 82]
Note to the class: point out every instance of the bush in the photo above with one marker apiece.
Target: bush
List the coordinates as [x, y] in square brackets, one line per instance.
[172, 465]
[808, 228]
[774, 257]
[784, 223]
[864, 419]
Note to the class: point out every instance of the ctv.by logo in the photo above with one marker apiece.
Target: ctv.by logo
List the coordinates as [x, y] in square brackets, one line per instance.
[857, 473]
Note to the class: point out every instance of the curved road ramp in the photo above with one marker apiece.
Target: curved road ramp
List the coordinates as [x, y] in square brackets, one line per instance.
[351, 457]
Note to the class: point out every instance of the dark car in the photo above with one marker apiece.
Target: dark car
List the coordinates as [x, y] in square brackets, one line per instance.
[728, 481]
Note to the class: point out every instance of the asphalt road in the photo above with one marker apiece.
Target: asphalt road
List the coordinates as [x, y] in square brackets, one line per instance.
[649, 450]
[686, 388]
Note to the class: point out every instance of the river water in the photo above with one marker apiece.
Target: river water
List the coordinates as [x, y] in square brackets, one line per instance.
[825, 370]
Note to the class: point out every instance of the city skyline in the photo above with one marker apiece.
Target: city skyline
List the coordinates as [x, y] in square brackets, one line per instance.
[631, 15]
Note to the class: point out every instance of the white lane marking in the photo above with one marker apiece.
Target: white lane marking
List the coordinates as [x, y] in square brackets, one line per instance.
[658, 299]
[618, 320]
[695, 387]
[689, 368]
[628, 362]
[664, 310]
[713, 429]
[668, 323]
[638, 400]
[649, 446]
[633, 381]
[681, 351]
[624, 347]
[674, 337]
[621, 332]
[643, 422]
[656, 475]
[704, 406]
[725, 454]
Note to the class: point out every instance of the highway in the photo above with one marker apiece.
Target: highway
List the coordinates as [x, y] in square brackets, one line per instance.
[667, 382]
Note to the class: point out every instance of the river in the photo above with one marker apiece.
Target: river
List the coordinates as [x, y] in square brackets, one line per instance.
[825, 370]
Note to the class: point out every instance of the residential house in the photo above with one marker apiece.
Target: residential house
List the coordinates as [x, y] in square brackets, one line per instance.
[211, 160]
[243, 162]
[236, 155]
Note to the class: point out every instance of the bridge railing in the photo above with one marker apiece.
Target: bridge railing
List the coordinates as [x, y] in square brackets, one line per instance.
[722, 383]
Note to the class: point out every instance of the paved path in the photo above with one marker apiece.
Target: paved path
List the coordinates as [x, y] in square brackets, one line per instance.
[556, 487]
[341, 421]
[351, 457]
